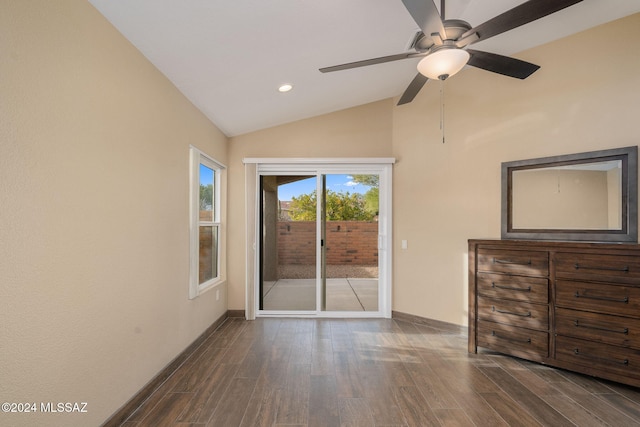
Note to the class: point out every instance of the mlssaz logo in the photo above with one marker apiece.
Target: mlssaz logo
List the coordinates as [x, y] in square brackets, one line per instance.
[65, 407]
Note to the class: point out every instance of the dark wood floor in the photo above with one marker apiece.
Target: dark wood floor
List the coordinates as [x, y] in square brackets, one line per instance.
[326, 372]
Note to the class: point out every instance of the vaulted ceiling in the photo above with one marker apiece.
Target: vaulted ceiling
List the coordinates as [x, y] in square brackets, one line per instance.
[230, 57]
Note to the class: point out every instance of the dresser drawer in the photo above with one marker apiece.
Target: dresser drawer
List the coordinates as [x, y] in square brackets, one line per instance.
[517, 313]
[598, 356]
[513, 340]
[599, 297]
[605, 268]
[528, 263]
[531, 289]
[604, 328]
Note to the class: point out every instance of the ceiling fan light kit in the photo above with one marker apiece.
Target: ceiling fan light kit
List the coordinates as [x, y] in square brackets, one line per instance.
[443, 62]
[443, 43]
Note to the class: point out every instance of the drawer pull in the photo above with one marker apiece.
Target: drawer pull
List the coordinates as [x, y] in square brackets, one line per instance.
[624, 362]
[508, 261]
[493, 308]
[527, 341]
[586, 267]
[624, 300]
[599, 328]
[509, 288]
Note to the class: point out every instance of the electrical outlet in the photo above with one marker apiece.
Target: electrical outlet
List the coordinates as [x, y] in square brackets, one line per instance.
[217, 294]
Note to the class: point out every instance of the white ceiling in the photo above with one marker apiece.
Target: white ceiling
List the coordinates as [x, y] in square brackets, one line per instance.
[229, 56]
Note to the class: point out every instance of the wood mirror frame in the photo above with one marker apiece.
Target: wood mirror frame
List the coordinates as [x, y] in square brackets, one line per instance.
[628, 230]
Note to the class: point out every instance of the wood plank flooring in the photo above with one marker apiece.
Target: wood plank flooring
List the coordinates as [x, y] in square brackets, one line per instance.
[382, 372]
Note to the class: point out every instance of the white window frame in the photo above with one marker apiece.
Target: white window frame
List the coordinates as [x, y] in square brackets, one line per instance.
[196, 158]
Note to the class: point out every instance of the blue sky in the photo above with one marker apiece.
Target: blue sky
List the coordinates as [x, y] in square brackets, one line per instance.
[340, 183]
[206, 175]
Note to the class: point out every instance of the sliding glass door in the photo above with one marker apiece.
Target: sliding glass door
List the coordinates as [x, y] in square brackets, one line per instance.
[322, 243]
[288, 247]
[349, 229]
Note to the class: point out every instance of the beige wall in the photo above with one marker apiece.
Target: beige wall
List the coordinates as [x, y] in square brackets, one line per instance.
[447, 193]
[585, 97]
[561, 199]
[93, 213]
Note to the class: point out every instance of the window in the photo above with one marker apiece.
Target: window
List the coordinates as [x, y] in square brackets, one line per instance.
[206, 229]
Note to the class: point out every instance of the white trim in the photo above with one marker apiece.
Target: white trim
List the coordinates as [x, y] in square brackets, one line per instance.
[385, 245]
[197, 157]
[249, 230]
[318, 167]
[325, 314]
[321, 160]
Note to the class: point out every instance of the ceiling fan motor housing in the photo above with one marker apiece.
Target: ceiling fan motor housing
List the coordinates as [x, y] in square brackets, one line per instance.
[454, 28]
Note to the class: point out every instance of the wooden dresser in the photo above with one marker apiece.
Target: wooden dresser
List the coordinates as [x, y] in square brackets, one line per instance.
[571, 305]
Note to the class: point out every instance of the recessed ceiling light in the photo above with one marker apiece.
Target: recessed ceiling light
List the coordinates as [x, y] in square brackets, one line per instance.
[285, 88]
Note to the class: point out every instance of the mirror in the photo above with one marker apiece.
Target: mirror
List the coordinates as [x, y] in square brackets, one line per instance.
[587, 196]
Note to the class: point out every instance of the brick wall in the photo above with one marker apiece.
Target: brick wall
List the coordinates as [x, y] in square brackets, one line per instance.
[208, 246]
[348, 243]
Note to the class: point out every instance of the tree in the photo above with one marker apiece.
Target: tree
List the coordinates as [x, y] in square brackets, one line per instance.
[372, 200]
[368, 180]
[347, 207]
[372, 196]
[339, 207]
[303, 207]
[206, 197]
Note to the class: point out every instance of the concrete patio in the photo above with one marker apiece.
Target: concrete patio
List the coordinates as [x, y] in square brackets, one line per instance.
[343, 294]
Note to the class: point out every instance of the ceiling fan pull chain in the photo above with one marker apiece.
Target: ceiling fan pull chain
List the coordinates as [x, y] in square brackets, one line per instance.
[442, 108]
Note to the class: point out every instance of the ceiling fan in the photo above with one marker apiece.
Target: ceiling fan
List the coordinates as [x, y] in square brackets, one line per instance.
[442, 43]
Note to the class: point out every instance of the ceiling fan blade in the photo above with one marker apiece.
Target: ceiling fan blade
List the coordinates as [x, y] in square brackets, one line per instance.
[372, 61]
[412, 90]
[501, 64]
[519, 15]
[426, 15]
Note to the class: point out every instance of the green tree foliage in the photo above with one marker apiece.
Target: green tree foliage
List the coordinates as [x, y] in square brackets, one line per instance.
[372, 196]
[347, 207]
[368, 180]
[340, 207]
[303, 207]
[206, 197]
[372, 200]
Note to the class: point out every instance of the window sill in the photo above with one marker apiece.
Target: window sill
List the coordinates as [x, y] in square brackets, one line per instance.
[214, 283]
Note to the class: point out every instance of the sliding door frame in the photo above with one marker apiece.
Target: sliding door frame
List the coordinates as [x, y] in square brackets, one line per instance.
[318, 167]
